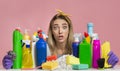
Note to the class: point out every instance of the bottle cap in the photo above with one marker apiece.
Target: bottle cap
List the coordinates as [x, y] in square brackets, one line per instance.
[90, 24]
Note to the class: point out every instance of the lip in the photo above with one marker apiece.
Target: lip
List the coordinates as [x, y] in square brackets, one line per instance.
[60, 37]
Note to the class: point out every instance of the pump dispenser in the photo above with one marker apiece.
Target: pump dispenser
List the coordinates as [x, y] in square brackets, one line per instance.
[41, 49]
[17, 48]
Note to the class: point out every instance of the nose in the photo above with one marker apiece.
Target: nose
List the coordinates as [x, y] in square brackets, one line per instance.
[60, 30]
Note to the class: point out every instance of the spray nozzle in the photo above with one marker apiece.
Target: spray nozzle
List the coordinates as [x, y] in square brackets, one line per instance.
[77, 37]
[40, 33]
[86, 34]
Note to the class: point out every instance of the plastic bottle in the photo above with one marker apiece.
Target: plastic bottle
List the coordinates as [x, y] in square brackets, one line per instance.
[41, 49]
[17, 48]
[87, 37]
[96, 53]
[75, 45]
[90, 28]
[85, 53]
[34, 40]
[27, 61]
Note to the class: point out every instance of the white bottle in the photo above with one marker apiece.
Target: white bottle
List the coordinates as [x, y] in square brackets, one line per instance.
[34, 40]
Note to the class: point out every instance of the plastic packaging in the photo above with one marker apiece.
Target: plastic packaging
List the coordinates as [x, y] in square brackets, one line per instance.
[17, 48]
[34, 40]
[41, 49]
[96, 53]
[90, 28]
[27, 61]
[85, 56]
[75, 45]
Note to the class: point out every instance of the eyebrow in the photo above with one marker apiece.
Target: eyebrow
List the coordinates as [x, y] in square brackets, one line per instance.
[64, 24]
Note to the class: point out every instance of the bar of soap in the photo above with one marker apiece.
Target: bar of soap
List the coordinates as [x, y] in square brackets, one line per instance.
[50, 65]
[80, 66]
[72, 60]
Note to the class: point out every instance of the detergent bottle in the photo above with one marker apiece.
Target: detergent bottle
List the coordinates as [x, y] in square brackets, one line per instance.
[75, 45]
[34, 40]
[87, 37]
[27, 61]
[90, 28]
[85, 56]
[17, 48]
[41, 49]
[96, 53]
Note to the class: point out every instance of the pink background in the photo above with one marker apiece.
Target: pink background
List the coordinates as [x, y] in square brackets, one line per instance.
[105, 14]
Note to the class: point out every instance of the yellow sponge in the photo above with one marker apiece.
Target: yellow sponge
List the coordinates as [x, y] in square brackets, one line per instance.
[72, 60]
[50, 65]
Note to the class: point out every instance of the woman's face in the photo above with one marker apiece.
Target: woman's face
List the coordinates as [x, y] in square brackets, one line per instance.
[60, 30]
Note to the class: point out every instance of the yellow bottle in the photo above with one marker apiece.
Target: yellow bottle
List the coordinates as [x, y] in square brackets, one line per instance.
[27, 61]
[105, 50]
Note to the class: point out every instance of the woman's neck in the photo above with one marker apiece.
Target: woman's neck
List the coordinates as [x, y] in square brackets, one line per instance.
[60, 48]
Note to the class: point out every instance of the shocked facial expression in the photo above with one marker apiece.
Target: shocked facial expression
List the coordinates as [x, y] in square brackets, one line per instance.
[60, 30]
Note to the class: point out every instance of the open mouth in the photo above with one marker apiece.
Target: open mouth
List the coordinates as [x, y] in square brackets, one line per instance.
[60, 37]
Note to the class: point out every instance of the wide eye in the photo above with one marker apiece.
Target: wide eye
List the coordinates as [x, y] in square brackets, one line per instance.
[55, 27]
[64, 27]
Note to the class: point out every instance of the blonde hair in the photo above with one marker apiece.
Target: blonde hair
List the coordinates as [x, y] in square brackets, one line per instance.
[51, 39]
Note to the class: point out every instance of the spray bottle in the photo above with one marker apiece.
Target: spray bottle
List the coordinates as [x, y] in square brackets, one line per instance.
[96, 53]
[90, 28]
[41, 49]
[34, 40]
[17, 48]
[87, 37]
[27, 61]
[75, 45]
[85, 53]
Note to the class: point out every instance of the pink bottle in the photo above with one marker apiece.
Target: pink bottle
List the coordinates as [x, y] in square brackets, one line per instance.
[96, 53]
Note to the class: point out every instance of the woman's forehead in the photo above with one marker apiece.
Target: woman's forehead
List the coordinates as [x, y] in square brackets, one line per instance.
[60, 22]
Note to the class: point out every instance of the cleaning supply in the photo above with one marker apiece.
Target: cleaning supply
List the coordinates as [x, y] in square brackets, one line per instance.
[105, 49]
[80, 66]
[75, 45]
[85, 56]
[96, 53]
[90, 28]
[17, 48]
[34, 40]
[41, 49]
[27, 61]
[50, 58]
[72, 60]
[50, 65]
[87, 37]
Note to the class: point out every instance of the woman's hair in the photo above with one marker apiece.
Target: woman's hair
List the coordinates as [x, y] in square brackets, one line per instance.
[51, 39]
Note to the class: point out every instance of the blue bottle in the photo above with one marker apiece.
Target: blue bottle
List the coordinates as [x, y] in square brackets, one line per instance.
[41, 49]
[90, 28]
[75, 45]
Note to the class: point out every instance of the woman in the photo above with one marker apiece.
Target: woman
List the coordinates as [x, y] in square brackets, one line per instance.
[60, 34]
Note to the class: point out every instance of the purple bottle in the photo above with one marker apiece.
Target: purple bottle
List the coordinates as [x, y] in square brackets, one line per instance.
[96, 53]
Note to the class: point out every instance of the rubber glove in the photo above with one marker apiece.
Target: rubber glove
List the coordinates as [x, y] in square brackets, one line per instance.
[113, 59]
[8, 60]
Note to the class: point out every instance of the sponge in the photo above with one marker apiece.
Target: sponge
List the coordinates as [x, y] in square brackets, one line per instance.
[80, 66]
[50, 65]
[72, 60]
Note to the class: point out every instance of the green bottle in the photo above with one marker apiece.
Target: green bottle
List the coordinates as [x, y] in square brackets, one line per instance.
[17, 48]
[85, 56]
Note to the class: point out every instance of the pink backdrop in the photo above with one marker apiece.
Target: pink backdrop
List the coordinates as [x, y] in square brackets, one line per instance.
[105, 14]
